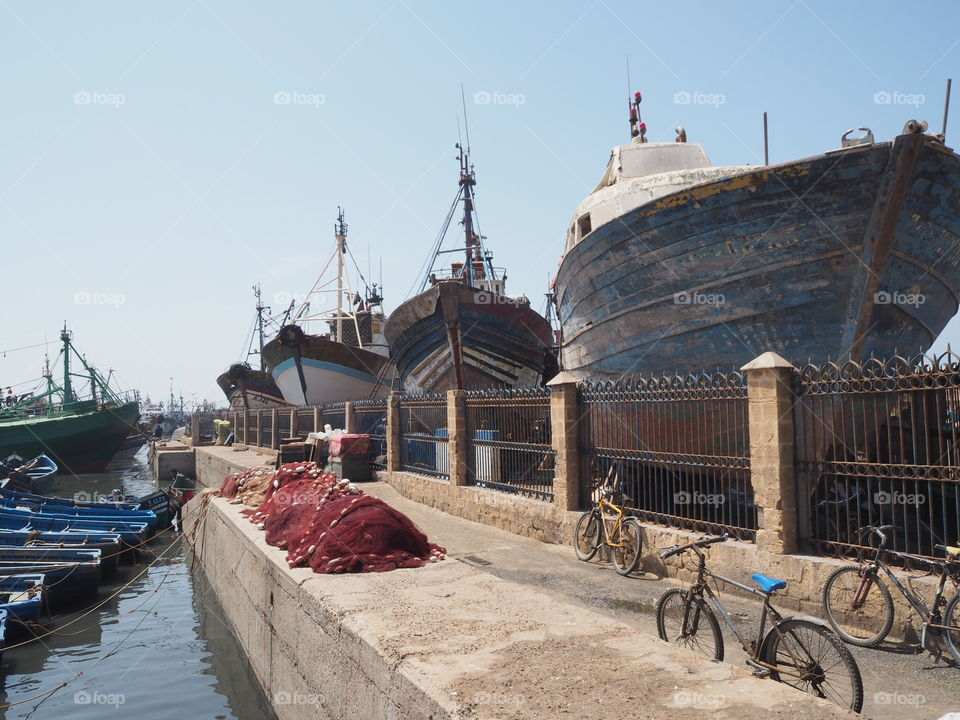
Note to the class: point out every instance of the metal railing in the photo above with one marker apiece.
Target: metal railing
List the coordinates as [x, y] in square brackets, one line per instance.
[334, 415]
[372, 420]
[509, 443]
[877, 443]
[424, 446]
[676, 449]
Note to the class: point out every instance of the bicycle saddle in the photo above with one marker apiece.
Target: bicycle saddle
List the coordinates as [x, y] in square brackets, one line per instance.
[768, 584]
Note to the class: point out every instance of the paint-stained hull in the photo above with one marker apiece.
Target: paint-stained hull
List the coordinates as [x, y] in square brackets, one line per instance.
[843, 255]
[454, 336]
[321, 370]
[251, 390]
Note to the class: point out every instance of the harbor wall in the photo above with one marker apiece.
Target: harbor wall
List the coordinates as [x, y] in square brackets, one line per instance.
[450, 641]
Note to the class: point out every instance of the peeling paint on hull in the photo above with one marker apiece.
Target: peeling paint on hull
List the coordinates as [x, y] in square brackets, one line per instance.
[846, 254]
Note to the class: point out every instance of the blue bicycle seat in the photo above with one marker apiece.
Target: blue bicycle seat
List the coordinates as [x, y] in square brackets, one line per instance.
[768, 584]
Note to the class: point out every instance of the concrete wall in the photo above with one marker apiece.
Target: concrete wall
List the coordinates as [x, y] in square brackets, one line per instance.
[450, 641]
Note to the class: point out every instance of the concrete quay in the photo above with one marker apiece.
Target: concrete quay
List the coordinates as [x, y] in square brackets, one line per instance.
[450, 640]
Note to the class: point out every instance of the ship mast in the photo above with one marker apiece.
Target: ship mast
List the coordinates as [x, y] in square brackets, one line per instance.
[260, 309]
[341, 233]
[67, 383]
[467, 181]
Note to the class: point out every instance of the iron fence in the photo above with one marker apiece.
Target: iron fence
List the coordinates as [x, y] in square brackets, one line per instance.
[424, 446]
[372, 420]
[509, 443]
[674, 449]
[877, 444]
[334, 415]
[305, 421]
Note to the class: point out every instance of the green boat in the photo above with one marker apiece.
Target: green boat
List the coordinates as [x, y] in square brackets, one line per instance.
[81, 435]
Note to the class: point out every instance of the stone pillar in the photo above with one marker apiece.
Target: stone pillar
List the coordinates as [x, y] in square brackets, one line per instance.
[259, 428]
[457, 436]
[349, 418]
[316, 419]
[294, 423]
[565, 426]
[772, 452]
[274, 433]
[393, 433]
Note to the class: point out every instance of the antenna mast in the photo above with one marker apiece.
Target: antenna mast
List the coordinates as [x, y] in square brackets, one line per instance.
[341, 233]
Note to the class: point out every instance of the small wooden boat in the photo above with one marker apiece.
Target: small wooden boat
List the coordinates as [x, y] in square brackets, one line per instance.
[7, 492]
[38, 475]
[59, 511]
[109, 544]
[132, 534]
[74, 579]
[22, 599]
[3, 632]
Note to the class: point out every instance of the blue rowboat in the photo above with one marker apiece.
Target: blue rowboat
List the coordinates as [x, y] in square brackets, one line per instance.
[69, 581]
[132, 534]
[21, 597]
[10, 494]
[3, 631]
[145, 516]
[38, 475]
[109, 544]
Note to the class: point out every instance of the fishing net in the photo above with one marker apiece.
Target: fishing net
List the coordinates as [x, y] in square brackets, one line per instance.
[328, 525]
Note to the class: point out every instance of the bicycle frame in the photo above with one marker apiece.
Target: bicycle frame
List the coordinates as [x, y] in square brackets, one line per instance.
[603, 505]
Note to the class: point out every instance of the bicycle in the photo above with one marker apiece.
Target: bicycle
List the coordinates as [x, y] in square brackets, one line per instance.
[606, 525]
[802, 652]
[859, 606]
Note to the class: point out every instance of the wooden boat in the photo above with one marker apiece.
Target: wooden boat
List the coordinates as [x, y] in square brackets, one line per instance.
[159, 502]
[109, 545]
[463, 331]
[673, 265]
[70, 581]
[6, 492]
[348, 358]
[133, 535]
[147, 517]
[38, 475]
[22, 599]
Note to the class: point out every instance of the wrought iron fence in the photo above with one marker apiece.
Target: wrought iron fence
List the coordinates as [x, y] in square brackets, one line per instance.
[305, 421]
[284, 423]
[674, 449]
[509, 444]
[334, 415]
[424, 446]
[372, 420]
[877, 444]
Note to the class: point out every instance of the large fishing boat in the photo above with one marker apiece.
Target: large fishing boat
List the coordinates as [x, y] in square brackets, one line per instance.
[462, 330]
[80, 435]
[347, 361]
[672, 264]
[245, 387]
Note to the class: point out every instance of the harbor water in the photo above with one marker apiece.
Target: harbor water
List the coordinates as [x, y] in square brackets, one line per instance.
[160, 642]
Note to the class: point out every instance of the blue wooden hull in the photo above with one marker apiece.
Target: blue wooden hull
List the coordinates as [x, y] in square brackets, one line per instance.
[131, 534]
[18, 607]
[844, 255]
[109, 545]
[147, 517]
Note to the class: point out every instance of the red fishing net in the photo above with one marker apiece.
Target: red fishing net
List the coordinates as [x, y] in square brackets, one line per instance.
[328, 525]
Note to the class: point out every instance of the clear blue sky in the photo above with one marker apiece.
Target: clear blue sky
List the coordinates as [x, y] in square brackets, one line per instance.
[147, 160]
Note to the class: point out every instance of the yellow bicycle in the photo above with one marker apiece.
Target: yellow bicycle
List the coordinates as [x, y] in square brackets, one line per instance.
[606, 525]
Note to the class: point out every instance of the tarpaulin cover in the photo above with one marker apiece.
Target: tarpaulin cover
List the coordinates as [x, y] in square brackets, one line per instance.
[328, 525]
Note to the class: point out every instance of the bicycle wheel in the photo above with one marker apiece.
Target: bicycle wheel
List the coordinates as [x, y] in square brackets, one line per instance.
[866, 625]
[951, 617]
[813, 658]
[703, 630]
[586, 537]
[626, 549]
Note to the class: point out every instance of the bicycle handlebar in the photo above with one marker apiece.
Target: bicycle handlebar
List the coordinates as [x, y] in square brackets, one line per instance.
[878, 530]
[699, 543]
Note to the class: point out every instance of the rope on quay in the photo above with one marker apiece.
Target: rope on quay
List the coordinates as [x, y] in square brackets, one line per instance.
[113, 650]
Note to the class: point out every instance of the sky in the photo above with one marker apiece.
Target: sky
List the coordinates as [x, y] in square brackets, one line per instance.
[158, 160]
